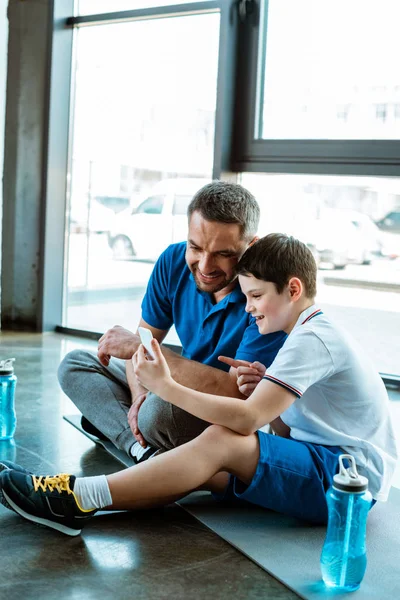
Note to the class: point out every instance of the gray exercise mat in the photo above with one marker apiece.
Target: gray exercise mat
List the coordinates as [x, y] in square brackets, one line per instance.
[121, 456]
[290, 549]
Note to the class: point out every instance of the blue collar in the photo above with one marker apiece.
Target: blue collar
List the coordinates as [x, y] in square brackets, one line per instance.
[236, 295]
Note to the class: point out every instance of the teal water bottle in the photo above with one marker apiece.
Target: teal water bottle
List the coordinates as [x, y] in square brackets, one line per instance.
[8, 382]
[344, 556]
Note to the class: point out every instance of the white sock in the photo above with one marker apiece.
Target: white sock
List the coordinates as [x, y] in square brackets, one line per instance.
[137, 450]
[92, 492]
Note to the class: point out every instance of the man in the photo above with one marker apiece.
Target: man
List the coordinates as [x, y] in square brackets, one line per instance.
[194, 287]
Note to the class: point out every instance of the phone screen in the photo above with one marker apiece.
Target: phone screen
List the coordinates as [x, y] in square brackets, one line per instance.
[145, 337]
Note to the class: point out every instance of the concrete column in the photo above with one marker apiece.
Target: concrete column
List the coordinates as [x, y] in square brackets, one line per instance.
[29, 46]
[3, 76]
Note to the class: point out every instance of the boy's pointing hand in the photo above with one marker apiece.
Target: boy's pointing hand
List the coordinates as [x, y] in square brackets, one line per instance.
[234, 362]
[247, 374]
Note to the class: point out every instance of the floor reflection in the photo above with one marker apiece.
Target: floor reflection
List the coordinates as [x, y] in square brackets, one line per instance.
[148, 555]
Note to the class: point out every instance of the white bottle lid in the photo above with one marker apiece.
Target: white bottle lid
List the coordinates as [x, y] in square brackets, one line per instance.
[349, 480]
[6, 366]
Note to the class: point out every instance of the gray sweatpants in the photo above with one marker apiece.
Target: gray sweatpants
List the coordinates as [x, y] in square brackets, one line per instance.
[103, 397]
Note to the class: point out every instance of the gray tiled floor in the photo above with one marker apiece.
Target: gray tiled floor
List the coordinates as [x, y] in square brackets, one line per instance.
[144, 556]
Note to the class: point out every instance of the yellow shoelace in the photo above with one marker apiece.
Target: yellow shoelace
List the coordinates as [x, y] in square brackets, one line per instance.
[59, 482]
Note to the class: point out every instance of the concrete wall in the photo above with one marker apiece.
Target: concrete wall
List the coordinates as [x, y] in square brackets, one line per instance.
[24, 151]
[3, 77]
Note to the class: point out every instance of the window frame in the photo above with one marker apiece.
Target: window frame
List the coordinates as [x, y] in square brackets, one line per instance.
[329, 157]
[54, 294]
[236, 147]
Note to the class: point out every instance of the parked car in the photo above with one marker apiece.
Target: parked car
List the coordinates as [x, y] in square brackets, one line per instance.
[158, 220]
[390, 222]
[342, 237]
[115, 203]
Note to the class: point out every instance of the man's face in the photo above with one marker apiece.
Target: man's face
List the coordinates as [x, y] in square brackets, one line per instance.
[213, 250]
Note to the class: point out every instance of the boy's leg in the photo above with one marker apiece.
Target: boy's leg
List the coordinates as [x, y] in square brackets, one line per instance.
[65, 503]
[281, 474]
[292, 477]
[191, 466]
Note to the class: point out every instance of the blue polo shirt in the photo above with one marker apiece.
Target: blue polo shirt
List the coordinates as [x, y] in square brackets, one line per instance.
[206, 330]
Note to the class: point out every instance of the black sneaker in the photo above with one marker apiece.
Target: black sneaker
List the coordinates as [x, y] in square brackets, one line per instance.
[45, 500]
[140, 454]
[6, 465]
[92, 430]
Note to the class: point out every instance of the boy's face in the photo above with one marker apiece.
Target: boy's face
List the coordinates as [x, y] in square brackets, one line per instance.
[213, 250]
[272, 311]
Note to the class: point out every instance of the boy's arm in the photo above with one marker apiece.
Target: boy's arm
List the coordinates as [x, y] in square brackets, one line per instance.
[265, 404]
[197, 376]
[187, 372]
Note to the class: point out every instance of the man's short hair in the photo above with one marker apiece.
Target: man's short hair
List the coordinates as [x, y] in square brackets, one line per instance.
[278, 257]
[225, 202]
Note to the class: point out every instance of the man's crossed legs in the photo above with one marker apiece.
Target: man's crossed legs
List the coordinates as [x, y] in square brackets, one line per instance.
[103, 396]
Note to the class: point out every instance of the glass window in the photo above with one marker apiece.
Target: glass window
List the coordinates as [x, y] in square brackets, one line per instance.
[92, 7]
[342, 219]
[181, 204]
[330, 70]
[142, 131]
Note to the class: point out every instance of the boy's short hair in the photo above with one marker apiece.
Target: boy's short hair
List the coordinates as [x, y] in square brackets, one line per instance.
[278, 257]
[227, 203]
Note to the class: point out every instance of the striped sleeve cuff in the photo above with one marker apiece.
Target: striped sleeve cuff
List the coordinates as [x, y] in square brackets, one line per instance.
[288, 387]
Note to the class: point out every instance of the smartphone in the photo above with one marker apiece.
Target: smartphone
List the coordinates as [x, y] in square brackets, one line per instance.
[145, 337]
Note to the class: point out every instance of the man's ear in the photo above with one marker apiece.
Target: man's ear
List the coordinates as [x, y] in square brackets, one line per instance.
[253, 241]
[295, 288]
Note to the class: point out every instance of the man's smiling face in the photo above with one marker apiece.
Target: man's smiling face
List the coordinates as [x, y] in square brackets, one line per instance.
[213, 250]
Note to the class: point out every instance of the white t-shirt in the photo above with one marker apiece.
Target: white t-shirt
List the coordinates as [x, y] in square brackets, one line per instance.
[340, 398]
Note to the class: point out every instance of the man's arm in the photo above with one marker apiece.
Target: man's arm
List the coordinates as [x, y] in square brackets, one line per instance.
[191, 373]
[121, 343]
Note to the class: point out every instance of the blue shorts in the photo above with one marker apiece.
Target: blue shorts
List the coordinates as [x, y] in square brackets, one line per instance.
[291, 478]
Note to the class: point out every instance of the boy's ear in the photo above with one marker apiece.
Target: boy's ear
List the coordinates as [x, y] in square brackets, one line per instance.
[295, 287]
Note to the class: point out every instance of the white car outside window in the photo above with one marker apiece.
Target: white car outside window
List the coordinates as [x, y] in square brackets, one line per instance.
[156, 222]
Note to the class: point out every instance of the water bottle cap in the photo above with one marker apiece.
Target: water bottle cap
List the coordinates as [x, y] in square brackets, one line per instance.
[6, 366]
[348, 480]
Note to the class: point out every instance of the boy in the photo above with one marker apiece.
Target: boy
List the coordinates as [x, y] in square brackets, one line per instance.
[319, 392]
